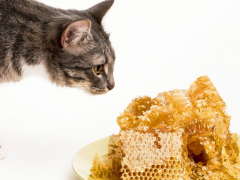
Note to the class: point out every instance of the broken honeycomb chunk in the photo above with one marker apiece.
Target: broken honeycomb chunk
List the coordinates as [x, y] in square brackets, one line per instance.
[108, 166]
[114, 145]
[180, 134]
[130, 117]
[153, 155]
[140, 105]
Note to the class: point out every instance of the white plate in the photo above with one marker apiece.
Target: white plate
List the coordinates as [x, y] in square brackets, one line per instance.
[82, 161]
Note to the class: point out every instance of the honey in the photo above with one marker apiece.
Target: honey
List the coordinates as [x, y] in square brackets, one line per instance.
[180, 134]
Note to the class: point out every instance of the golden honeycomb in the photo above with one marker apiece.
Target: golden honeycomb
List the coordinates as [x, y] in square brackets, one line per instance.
[199, 146]
[108, 166]
[153, 155]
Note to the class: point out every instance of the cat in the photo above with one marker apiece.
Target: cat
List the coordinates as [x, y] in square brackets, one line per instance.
[71, 46]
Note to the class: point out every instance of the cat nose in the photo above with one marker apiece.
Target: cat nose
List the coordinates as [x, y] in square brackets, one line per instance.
[110, 87]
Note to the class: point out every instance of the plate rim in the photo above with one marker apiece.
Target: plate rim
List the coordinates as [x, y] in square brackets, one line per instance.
[78, 152]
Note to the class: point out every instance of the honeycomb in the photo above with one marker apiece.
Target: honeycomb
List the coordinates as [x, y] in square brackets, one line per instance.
[153, 155]
[180, 134]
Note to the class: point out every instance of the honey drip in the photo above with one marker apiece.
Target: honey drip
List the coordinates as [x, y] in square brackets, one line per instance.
[180, 134]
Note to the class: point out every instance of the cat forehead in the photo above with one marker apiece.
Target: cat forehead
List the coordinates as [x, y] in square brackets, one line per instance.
[107, 56]
[98, 58]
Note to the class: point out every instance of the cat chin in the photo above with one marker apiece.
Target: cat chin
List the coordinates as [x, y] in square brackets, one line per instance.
[97, 91]
[92, 90]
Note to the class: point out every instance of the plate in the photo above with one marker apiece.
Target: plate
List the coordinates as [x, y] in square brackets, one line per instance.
[82, 161]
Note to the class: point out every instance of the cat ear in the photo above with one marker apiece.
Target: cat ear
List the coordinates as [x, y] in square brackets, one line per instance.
[76, 33]
[99, 10]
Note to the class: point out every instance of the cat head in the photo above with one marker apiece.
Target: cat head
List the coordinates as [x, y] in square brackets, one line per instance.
[85, 57]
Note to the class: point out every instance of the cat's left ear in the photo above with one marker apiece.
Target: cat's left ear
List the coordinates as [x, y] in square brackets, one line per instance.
[76, 33]
[99, 10]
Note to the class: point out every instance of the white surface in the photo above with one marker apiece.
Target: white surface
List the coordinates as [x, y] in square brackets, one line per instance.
[160, 45]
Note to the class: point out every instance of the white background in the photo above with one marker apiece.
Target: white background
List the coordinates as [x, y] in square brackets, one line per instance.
[160, 45]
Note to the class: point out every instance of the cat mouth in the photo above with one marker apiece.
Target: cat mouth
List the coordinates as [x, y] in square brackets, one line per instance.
[95, 90]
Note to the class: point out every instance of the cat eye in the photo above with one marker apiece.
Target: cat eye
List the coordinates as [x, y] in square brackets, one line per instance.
[98, 69]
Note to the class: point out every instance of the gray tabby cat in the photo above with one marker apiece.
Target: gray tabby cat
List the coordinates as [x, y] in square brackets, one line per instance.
[70, 46]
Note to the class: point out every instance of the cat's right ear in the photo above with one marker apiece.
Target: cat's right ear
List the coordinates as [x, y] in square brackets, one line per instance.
[99, 10]
[76, 33]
